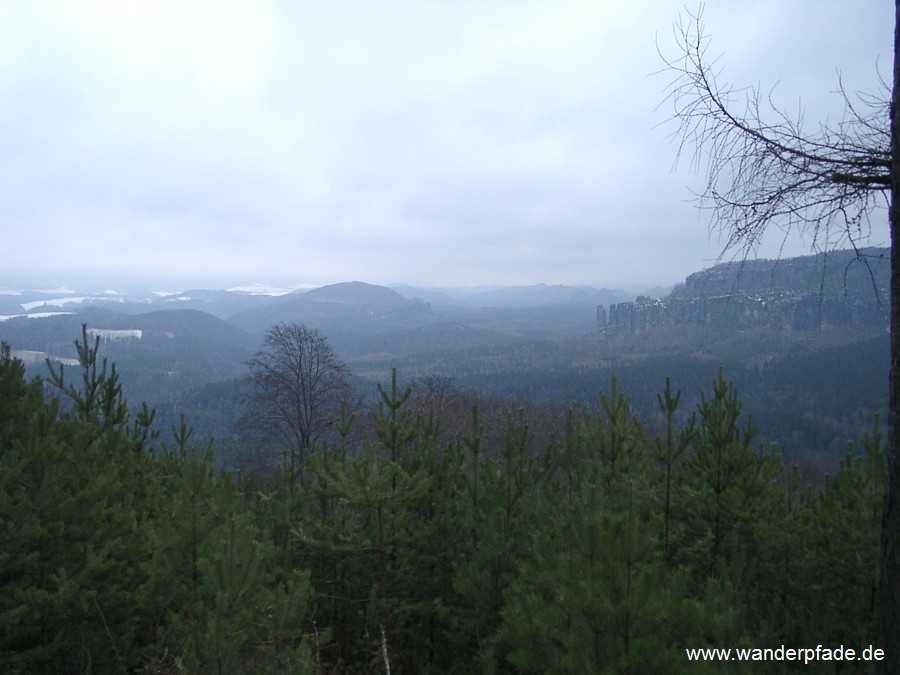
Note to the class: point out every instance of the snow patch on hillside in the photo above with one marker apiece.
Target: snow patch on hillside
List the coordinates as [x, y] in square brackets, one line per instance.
[30, 357]
[260, 289]
[33, 315]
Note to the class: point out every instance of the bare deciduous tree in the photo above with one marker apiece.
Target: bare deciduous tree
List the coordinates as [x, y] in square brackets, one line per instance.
[298, 384]
[763, 169]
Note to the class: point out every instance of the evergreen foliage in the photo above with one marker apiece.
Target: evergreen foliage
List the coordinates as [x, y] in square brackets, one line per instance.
[600, 547]
[117, 560]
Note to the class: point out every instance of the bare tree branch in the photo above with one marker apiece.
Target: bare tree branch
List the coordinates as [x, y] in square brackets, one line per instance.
[762, 166]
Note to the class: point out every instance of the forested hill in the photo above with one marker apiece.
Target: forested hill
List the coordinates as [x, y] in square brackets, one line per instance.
[344, 306]
[840, 289]
[836, 272]
[159, 354]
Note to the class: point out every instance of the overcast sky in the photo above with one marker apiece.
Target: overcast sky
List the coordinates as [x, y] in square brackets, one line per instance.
[427, 142]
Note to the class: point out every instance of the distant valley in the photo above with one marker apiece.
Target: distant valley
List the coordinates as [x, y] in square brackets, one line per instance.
[804, 338]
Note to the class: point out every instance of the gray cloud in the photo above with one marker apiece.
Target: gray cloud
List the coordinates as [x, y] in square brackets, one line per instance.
[423, 142]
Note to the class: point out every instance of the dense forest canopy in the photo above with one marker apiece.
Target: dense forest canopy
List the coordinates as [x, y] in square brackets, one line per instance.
[421, 542]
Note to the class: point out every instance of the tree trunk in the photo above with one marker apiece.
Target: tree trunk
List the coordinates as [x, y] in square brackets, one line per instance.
[889, 592]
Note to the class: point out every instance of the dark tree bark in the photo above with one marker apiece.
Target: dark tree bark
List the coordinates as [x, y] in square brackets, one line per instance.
[889, 587]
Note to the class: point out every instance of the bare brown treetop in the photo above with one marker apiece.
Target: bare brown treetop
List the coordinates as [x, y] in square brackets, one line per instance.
[298, 385]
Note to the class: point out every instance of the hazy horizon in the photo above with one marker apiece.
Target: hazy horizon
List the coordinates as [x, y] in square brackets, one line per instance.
[173, 285]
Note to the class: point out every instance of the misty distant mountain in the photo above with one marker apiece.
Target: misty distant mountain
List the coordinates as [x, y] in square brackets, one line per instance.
[354, 306]
[366, 320]
[433, 296]
[538, 295]
[359, 294]
[542, 294]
